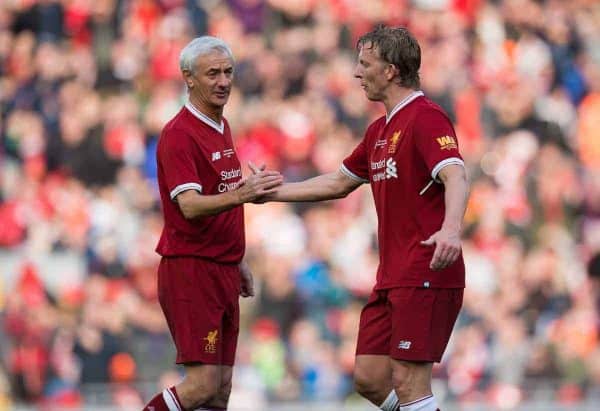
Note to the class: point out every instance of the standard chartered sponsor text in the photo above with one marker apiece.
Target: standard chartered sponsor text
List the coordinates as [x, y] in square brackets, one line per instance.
[228, 175]
[377, 165]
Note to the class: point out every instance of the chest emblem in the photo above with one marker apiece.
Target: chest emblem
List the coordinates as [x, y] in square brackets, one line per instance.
[394, 141]
[216, 156]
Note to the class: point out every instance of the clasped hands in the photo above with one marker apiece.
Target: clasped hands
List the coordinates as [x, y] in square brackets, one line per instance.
[257, 187]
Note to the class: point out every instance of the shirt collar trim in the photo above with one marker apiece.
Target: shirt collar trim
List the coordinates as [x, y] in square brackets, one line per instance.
[403, 103]
[204, 118]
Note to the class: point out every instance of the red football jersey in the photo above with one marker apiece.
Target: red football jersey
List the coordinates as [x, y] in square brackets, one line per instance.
[400, 156]
[196, 153]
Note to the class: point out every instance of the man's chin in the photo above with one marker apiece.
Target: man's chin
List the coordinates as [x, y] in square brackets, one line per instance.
[219, 101]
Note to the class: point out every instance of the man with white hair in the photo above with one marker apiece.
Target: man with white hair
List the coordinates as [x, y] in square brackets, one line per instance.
[201, 274]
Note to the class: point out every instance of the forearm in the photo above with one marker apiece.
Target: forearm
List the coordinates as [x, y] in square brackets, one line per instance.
[324, 187]
[455, 199]
[206, 205]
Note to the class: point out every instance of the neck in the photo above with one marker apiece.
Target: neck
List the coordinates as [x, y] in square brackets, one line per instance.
[214, 113]
[394, 96]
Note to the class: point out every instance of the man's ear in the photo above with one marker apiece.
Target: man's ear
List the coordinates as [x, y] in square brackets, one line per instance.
[391, 71]
[188, 78]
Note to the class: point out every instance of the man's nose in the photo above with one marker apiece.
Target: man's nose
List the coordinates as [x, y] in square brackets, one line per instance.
[357, 72]
[224, 80]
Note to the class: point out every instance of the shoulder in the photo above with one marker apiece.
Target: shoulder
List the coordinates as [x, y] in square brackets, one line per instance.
[375, 126]
[175, 133]
[427, 111]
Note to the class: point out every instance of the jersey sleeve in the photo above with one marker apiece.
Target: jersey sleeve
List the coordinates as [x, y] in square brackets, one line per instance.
[178, 165]
[436, 141]
[356, 165]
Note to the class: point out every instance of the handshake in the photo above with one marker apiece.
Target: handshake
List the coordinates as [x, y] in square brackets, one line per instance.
[260, 186]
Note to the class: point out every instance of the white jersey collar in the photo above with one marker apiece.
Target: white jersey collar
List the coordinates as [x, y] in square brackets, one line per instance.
[204, 118]
[403, 103]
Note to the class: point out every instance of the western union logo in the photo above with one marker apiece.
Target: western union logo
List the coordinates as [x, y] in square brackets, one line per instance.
[447, 142]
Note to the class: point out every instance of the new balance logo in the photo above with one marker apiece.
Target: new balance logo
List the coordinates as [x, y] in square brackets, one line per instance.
[228, 153]
[390, 169]
[404, 345]
[216, 156]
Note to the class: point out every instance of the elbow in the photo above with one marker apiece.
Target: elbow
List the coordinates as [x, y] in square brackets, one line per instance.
[187, 210]
[187, 213]
[343, 193]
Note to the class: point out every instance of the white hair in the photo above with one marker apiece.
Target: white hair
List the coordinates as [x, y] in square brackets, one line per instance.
[199, 47]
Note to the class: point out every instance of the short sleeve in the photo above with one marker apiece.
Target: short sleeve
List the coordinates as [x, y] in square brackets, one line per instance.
[436, 141]
[355, 165]
[178, 165]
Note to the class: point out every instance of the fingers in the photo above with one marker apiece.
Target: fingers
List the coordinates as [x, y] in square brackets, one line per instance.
[263, 174]
[266, 193]
[268, 183]
[447, 250]
[453, 256]
[430, 241]
[253, 168]
[444, 256]
[259, 185]
[435, 260]
[249, 291]
[246, 294]
[247, 284]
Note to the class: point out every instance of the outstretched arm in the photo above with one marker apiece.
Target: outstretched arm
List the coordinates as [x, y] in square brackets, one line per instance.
[447, 239]
[323, 187]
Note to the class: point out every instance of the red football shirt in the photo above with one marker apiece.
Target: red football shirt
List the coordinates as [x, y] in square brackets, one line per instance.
[196, 153]
[400, 156]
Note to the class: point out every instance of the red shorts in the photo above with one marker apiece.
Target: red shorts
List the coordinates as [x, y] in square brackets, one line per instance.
[200, 301]
[412, 324]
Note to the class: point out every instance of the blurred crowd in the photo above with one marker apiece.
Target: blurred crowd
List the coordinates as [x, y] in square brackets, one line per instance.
[85, 87]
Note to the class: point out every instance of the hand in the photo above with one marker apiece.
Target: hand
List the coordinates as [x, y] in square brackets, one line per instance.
[256, 170]
[247, 281]
[261, 183]
[447, 248]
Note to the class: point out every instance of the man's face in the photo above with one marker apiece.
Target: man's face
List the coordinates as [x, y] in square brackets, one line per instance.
[373, 72]
[210, 83]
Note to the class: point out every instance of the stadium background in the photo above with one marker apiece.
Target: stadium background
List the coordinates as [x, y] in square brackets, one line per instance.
[85, 87]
